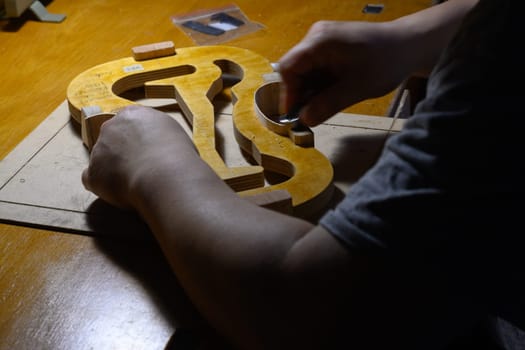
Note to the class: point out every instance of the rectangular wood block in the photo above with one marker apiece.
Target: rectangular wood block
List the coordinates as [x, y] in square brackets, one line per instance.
[149, 51]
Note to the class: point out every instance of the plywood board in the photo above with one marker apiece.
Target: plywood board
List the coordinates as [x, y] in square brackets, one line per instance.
[40, 182]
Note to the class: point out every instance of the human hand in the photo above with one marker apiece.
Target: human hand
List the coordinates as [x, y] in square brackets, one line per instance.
[132, 147]
[339, 64]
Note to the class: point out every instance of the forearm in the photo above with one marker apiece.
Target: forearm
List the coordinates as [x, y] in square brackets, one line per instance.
[263, 279]
[224, 250]
[426, 33]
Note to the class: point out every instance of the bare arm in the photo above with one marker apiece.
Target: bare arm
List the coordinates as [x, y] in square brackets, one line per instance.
[361, 60]
[428, 32]
[264, 280]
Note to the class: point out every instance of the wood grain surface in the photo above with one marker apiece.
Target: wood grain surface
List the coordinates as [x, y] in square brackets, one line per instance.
[65, 291]
[193, 77]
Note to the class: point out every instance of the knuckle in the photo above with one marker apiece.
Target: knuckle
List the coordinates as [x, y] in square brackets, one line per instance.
[321, 27]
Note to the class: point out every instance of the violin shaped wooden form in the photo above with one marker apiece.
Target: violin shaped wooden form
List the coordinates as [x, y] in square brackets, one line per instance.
[193, 76]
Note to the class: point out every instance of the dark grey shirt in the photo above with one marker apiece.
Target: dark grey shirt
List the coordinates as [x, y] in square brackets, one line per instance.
[448, 190]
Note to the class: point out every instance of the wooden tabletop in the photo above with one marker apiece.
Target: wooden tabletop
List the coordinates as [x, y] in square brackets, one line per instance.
[67, 291]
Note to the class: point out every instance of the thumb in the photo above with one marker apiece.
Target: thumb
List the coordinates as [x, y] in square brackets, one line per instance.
[326, 103]
[86, 179]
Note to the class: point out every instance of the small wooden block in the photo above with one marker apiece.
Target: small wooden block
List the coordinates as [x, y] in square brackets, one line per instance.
[86, 112]
[156, 50]
[303, 137]
[91, 125]
[271, 77]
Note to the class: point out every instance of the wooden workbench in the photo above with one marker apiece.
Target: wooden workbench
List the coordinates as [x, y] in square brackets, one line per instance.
[67, 291]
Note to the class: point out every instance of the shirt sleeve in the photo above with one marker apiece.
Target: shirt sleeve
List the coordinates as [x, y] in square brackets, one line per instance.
[447, 192]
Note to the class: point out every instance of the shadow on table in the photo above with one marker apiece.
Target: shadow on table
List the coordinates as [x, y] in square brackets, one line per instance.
[144, 259]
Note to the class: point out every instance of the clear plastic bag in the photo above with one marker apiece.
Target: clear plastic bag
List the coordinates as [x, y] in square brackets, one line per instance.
[214, 26]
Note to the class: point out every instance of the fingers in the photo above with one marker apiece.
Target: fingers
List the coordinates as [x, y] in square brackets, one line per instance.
[295, 68]
[89, 174]
[311, 72]
[311, 83]
[128, 144]
[86, 179]
[326, 103]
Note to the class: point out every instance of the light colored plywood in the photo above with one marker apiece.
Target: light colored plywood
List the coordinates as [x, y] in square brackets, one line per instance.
[40, 180]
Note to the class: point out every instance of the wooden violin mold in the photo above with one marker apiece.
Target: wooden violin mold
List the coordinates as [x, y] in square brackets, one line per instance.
[193, 77]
